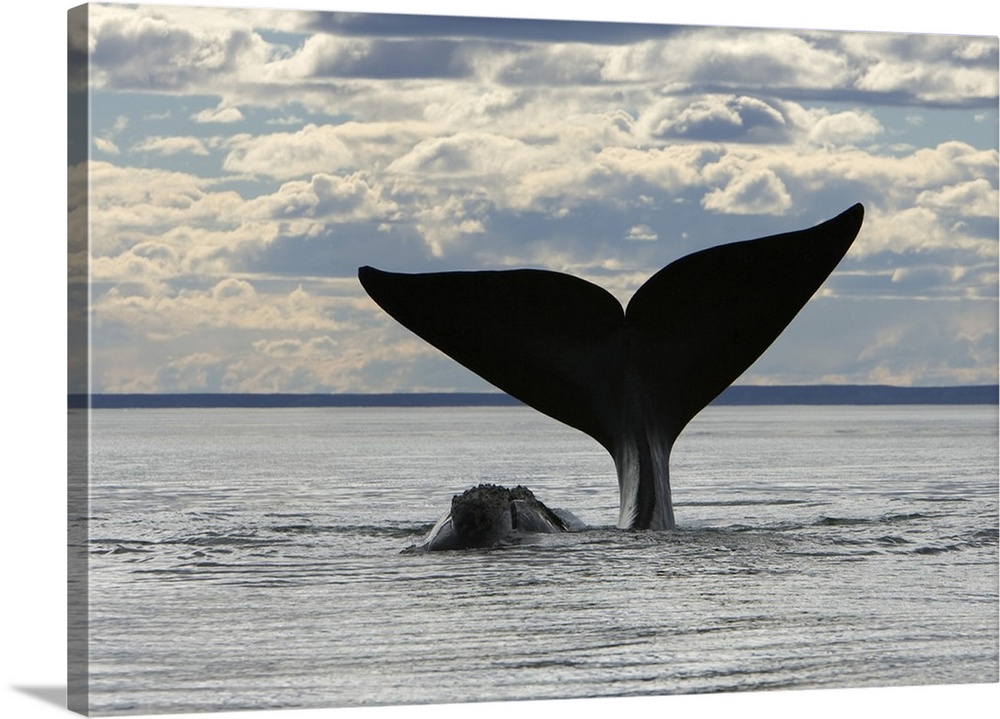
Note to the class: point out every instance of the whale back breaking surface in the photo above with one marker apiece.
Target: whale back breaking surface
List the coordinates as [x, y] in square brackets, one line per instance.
[631, 379]
[489, 515]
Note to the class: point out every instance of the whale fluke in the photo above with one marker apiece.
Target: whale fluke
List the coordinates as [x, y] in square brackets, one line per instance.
[633, 378]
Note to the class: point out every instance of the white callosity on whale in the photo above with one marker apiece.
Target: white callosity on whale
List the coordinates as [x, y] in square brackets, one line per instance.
[489, 514]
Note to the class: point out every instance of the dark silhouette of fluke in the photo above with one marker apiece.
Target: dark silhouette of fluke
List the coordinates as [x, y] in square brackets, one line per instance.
[631, 379]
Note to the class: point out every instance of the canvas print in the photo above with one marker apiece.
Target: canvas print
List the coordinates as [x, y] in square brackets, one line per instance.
[419, 359]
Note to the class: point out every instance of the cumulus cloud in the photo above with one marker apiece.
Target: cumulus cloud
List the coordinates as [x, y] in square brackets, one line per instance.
[144, 262]
[325, 198]
[921, 230]
[463, 154]
[756, 192]
[443, 223]
[158, 48]
[845, 128]
[932, 83]
[295, 347]
[129, 205]
[643, 233]
[231, 303]
[286, 155]
[106, 146]
[172, 145]
[972, 198]
[223, 115]
[714, 117]
[332, 56]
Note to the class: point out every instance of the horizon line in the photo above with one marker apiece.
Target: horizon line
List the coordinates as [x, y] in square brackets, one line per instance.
[735, 395]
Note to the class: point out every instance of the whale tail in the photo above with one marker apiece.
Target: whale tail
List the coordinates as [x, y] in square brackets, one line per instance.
[630, 378]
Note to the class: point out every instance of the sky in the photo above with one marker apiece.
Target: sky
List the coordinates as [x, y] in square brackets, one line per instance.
[244, 163]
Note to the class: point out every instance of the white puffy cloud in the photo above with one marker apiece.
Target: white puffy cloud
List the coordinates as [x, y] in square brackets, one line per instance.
[157, 48]
[671, 169]
[325, 199]
[465, 154]
[146, 261]
[295, 347]
[937, 82]
[223, 115]
[765, 59]
[643, 233]
[107, 146]
[172, 145]
[196, 229]
[714, 117]
[479, 107]
[235, 337]
[845, 128]
[446, 222]
[938, 68]
[130, 205]
[229, 303]
[971, 198]
[754, 192]
[284, 155]
[718, 57]
[920, 230]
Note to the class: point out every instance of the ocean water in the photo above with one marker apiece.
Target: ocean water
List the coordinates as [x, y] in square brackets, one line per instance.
[253, 558]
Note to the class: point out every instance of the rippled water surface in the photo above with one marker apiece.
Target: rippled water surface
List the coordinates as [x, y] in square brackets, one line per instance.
[251, 558]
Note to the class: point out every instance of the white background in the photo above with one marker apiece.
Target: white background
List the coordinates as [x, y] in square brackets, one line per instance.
[33, 352]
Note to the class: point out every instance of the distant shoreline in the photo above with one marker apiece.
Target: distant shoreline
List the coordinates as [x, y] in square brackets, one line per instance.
[740, 395]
